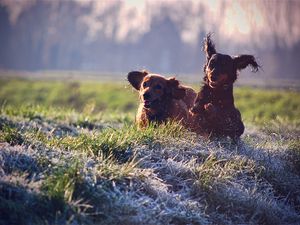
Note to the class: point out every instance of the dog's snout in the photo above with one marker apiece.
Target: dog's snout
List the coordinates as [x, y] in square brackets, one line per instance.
[146, 96]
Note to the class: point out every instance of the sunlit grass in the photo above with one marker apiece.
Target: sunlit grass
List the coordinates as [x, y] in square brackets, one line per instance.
[260, 105]
[93, 96]
[72, 152]
[97, 99]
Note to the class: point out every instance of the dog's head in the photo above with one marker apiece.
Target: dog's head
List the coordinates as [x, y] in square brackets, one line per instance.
[154, 89]
[222, 69]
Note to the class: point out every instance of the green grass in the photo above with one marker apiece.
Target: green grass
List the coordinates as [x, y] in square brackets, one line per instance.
[61, 184]
[70, 152]
[81, 96]
[11, 136]
[259, 105]
[33, 98]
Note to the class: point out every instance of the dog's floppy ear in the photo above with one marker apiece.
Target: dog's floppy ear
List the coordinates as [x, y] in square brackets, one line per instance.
[242, 61]
[174, 88]
[135, 78]
[209, 47]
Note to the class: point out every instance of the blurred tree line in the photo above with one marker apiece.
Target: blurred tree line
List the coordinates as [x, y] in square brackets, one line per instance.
[69, 35]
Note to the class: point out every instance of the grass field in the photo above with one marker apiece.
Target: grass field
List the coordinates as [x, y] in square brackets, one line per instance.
[71, 154]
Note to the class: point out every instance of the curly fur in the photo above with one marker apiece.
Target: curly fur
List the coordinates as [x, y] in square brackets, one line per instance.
[214, 112]
[161, 99]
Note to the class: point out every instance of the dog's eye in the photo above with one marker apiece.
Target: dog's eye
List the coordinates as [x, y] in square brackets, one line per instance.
[157, 87]
[145, 84]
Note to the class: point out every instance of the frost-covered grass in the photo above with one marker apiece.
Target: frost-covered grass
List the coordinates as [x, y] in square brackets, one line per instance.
[67, 163]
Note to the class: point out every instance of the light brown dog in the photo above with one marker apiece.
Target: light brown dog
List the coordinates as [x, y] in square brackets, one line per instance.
[161, 99]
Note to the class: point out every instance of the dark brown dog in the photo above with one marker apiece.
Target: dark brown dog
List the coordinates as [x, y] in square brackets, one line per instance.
[161, 99]
[214, 110]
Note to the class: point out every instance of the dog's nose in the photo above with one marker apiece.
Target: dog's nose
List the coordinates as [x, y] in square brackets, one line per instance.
[146, 96]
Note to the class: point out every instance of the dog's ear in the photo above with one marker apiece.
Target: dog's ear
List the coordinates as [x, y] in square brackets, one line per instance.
[174, 88]
[135, 78]
[242, 61]
[209, 47]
